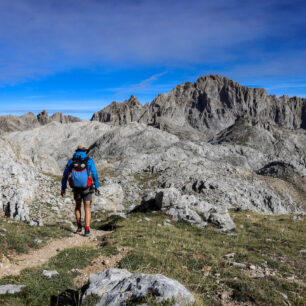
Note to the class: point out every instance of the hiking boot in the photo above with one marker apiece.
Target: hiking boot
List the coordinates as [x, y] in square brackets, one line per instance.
[79, 229]
[87, 233]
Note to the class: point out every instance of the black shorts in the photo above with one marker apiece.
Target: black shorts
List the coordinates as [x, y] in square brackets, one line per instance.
[83, 194]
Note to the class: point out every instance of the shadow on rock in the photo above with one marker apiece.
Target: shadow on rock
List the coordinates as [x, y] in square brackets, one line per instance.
[69, 297]
[110, 224]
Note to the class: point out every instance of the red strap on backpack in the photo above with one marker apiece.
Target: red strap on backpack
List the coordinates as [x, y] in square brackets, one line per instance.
[89, 182]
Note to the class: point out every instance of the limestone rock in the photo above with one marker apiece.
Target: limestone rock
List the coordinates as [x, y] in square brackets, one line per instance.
[185, 208]
[18, 123]
[49, 273]
[44, 118]
[29, 121]
[110, 199]
[11, 289]
[121, 113]
[211, 104]
[116, 287]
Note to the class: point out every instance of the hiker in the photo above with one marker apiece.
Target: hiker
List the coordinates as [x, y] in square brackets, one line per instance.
[78, 172]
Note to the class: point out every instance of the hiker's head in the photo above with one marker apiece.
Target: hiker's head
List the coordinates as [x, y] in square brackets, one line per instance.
[82, 148]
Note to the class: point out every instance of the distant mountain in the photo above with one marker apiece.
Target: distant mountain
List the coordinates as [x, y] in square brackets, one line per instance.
[18, 123]
[43, 118]
[28, 121]
[118, 113]
[210, 105]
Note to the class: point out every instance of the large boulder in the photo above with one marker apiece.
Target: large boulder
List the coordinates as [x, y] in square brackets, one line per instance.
[110, 199]
[117, 287]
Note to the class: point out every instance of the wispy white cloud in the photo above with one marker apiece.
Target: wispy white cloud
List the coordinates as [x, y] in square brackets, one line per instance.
[39, 38]
[145, 86]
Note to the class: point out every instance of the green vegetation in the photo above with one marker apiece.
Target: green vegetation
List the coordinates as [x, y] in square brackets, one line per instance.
[146, 179]
[195, 257]
[40, 288]
[19, 237]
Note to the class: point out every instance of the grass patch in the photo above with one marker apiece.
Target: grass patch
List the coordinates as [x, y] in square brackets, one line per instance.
[184, 252]
[146, 178]
[39, 287]
[19, 237]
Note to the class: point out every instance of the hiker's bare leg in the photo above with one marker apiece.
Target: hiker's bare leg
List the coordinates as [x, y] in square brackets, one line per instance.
[87, 213]
[77, 210]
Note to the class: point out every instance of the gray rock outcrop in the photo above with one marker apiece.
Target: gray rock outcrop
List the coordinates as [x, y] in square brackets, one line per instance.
[49, 273]
[188, 208]
[117, 287]
[11, 289]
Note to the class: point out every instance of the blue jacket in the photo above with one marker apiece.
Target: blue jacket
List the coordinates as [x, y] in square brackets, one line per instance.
[91, 169]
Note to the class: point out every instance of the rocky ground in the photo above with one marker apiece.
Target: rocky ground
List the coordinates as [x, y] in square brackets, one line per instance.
[135, 160]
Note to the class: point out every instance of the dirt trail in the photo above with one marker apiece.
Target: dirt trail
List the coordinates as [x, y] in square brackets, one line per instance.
[40, 256]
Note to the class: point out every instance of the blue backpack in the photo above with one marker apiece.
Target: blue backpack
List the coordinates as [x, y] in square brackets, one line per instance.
[79, 174]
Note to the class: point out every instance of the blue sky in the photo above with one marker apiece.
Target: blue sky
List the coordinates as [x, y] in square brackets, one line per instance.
[77, 56]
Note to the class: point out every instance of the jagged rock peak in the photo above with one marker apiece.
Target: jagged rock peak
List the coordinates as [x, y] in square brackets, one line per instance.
[29, 121]
[214, 103]
[133, 101]
[11, 123]
[210, 105]
[119, 113]
[43, 117]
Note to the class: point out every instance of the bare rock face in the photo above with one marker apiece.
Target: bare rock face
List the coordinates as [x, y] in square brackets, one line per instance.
[29, 121]
[122, 113]
[210, 105]
[43, 118]
[15, 123]
[119, 286]
[214, 103]
[188, 208]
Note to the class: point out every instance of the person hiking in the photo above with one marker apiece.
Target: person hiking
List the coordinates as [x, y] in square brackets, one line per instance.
[78, 172]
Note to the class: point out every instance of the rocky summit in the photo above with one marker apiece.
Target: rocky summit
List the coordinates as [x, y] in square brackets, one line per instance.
[210, 105]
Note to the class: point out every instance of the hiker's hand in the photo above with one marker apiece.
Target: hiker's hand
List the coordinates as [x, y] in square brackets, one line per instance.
[97, 192]
[63, 192]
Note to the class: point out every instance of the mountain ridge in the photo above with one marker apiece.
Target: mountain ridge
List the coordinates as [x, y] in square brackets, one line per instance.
[27, 121]
[206, 107]
[210, 104]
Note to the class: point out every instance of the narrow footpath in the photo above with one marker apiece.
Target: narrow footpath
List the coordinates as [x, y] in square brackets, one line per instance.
[37, 257]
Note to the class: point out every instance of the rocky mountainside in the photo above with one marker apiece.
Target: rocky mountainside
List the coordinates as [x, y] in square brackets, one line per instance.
[29, 121]
[246, 151]
[210, 105]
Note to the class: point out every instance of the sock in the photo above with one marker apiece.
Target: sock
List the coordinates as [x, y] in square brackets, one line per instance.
[78, 222]
[87, 228]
